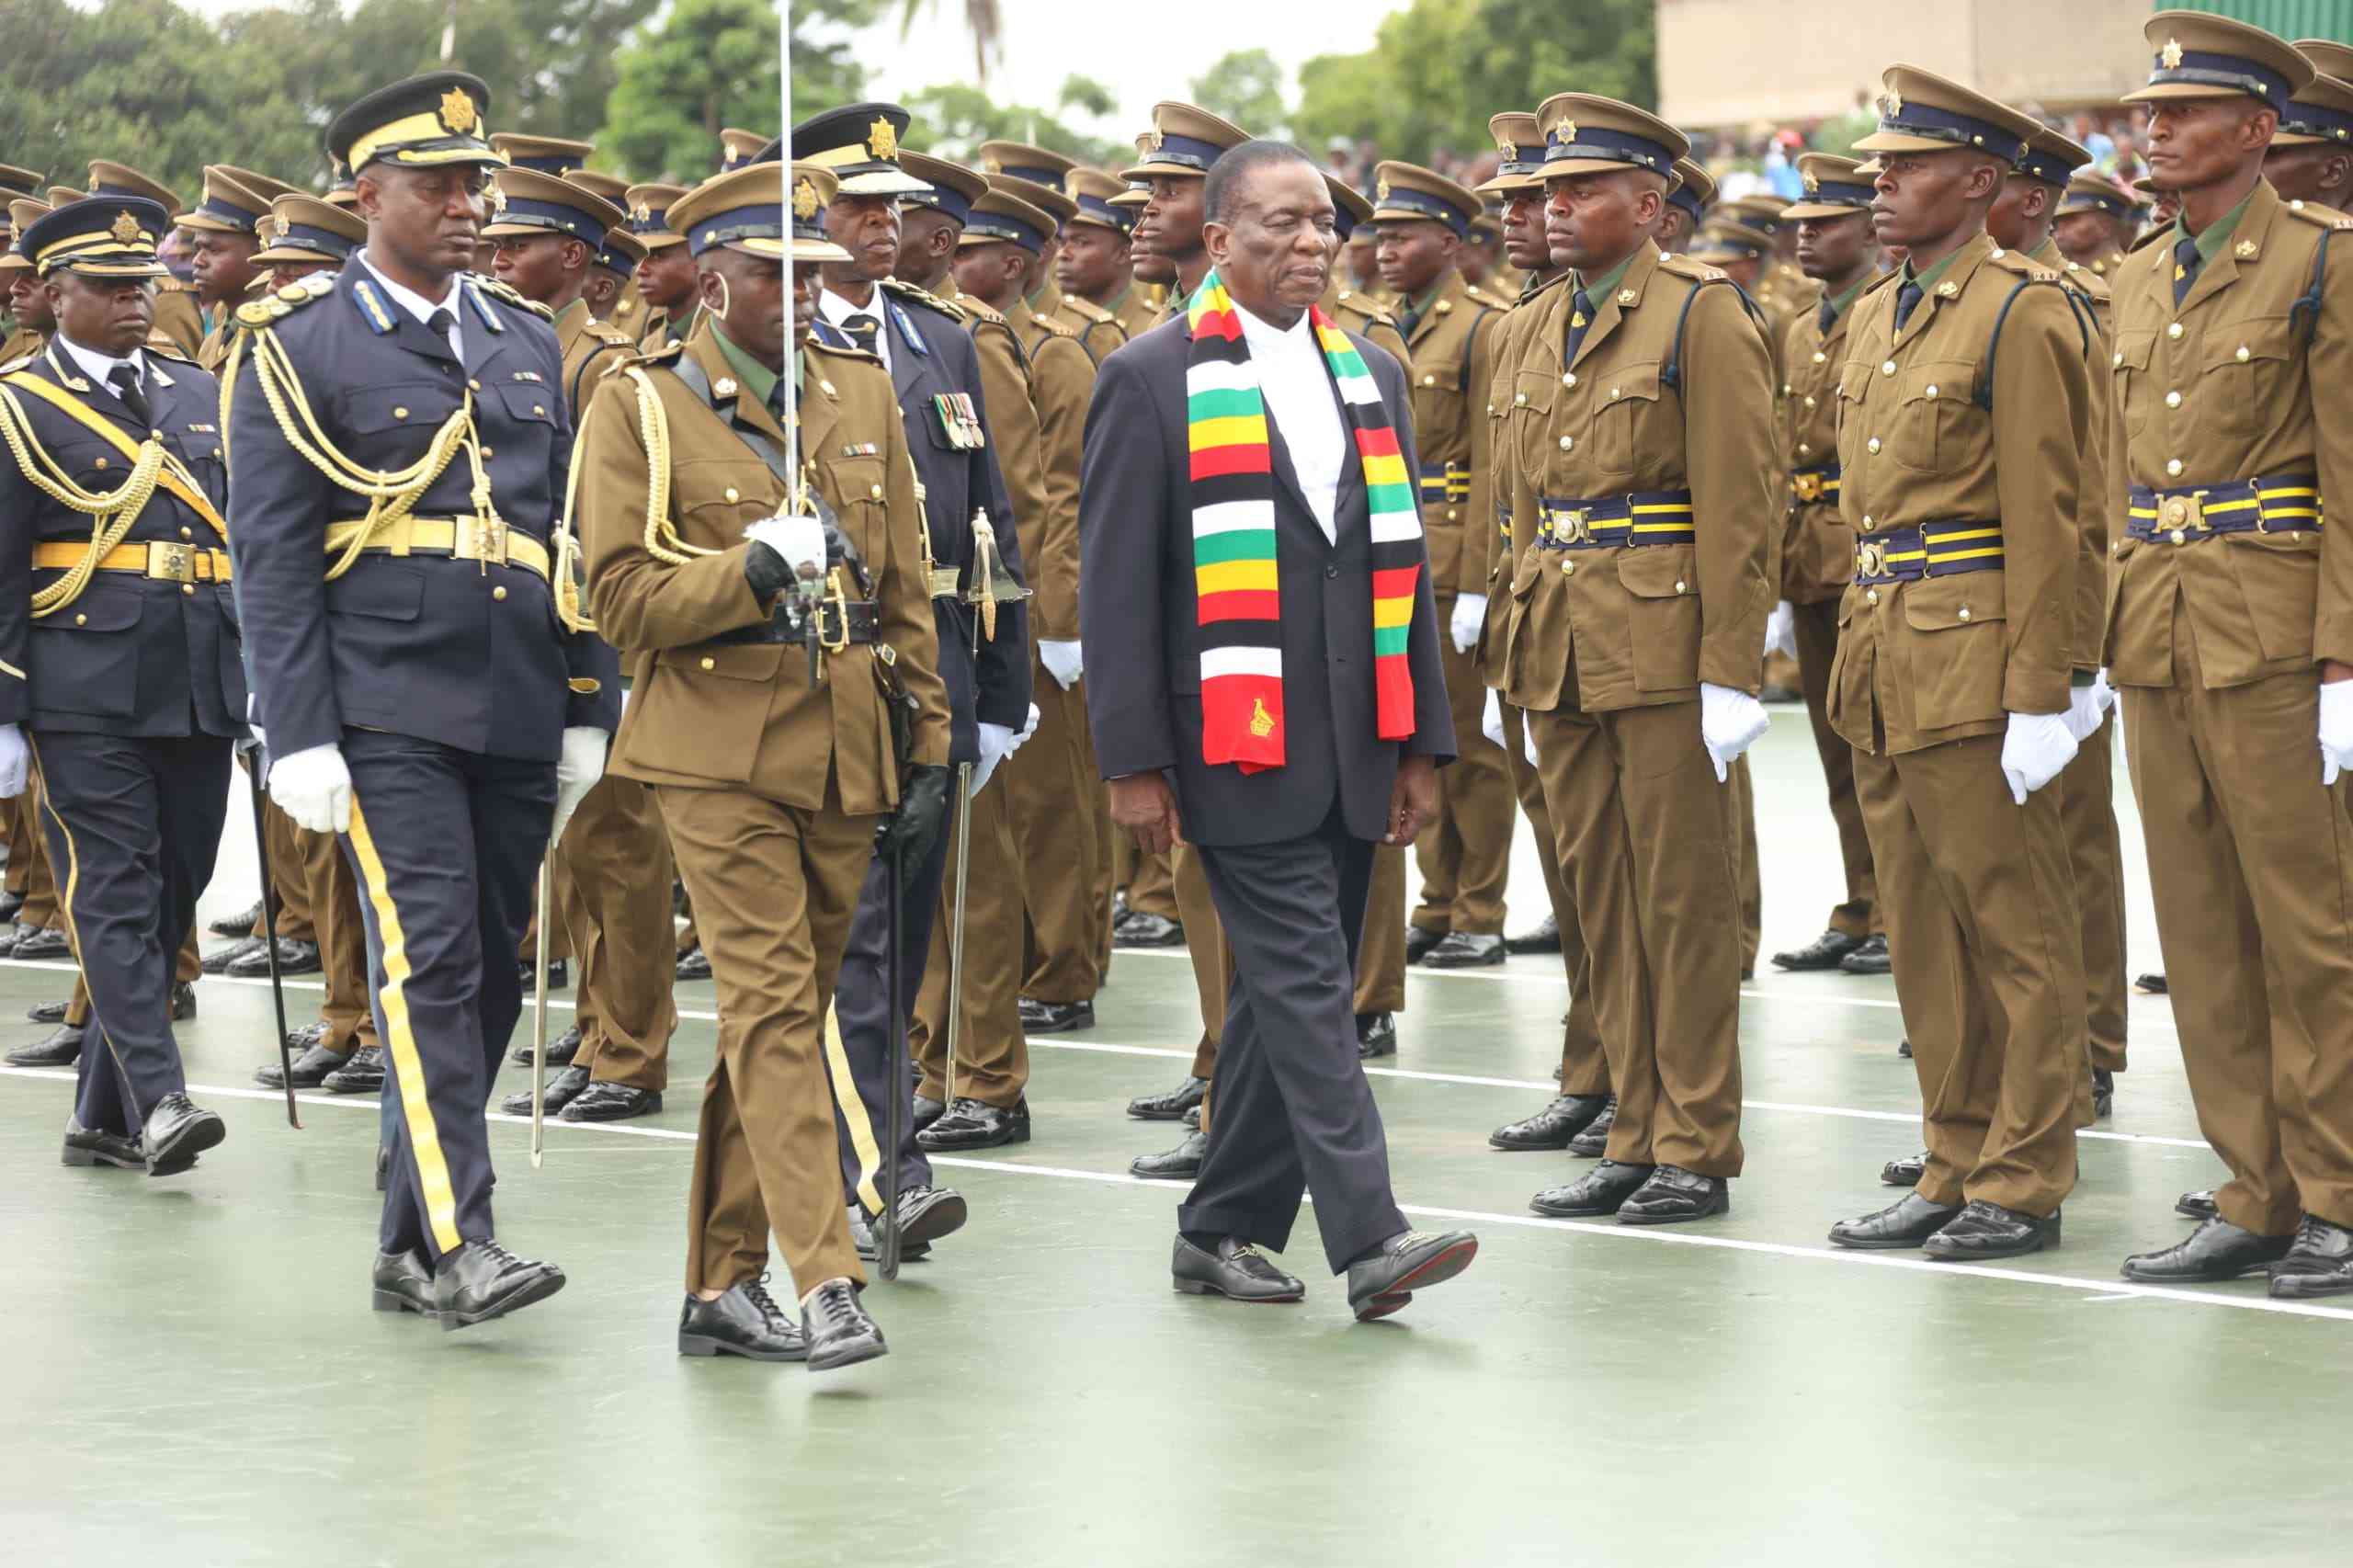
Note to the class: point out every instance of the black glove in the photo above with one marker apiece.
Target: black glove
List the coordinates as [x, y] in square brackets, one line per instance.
[922, 815]
[766, 571]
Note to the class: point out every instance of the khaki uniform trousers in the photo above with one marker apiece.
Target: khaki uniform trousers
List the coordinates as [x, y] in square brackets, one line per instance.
[992, 1053]
[615, 906]
[1381, 950]
[1815, 630]
[1740, 791]
[189, 966]
[1051, 790]
[1464, 854]
[1150, 881]
[30, 876]
[1646, 835]
[1585, 1068]
[2251, 866]
[774, 887]
[2096, 852]
[1988, 966]
[350, 1011]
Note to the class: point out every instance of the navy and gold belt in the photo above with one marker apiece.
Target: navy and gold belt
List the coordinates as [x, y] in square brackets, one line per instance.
[1445, 481]
[1643, 517]
[1819, 483]
[2251, 506]
[1932, 549]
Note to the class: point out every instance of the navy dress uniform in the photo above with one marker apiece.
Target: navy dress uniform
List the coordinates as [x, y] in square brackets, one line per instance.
[119, 657]
[401, 463]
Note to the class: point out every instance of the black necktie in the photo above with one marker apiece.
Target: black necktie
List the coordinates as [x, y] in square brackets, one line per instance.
[1580, 318]
[1907, 299]
[865, 331]
[2187, 260]
[1827, 318]
[439, 324]
[124, 378]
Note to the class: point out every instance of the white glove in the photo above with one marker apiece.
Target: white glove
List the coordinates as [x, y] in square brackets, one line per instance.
[577, 769]
[1029, 727]
[1781, 630]
[1470, 614]
[800, 540]
[2085, 711]
[15, 761]
[996, 743]
[2036, 749]
[2335, 730]
[313, 786]
[1062, 661]
[1730, 723]
[1491, 717]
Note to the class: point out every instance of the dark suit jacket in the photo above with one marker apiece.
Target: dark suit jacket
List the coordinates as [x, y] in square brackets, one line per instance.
[1139, 617]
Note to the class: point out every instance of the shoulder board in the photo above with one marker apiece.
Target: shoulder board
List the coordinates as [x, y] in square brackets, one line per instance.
[170, 350]
[1366, 306]
[2018, 262]
[1675, 264]
[839, 350]
[970, 309]
[263, 310]
[505, 295]
[1060, 329]
[1086, 310]
[2321, 217]
[914, 295]
[606, 332]
[661, 355]
[2085, 281]
[1492, 302]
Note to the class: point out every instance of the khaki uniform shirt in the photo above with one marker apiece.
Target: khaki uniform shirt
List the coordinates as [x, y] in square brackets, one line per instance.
[1817, 547]
[1135, 311]
[179, 320]
[1062, 383]
[1452, 344]
[2094, 523]
[1361, 314]
[1512, 338]
[583, 338]
[1098, 330]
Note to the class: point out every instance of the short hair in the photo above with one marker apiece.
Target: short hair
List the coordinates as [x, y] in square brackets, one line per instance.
[1228, 174]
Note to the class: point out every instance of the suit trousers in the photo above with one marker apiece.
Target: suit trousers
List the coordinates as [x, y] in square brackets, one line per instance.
[858, 1041]
[1585, 1067]
[135, 823]
[2251, 867]
[185, 970]
[616, 909]
[1051, 790]
[447, 846]
[1815, 629]
[992, 1055]
[1988, 965]
[775, 887]
[1465, 853]
[2096, 853]
[1645, 832]
[1295, 1112]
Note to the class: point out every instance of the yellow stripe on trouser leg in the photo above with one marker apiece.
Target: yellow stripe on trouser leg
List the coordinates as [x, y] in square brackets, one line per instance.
[854, 1116]
[399, 1041]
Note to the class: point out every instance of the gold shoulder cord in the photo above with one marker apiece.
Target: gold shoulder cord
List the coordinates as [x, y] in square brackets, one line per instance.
[662, 540]
[565, 576]
[111, 513]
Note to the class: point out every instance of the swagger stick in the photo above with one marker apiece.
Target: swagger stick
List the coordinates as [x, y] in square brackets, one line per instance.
[258, 760]
[540, 1021]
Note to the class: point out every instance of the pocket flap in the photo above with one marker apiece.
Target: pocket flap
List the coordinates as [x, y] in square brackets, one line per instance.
[2241, 343]
[1943, 603]
[1658, 572]
[1631, 383]
[2132, 350]
[377, 588]
[531, 403]
[98, 609]
[739, 660]
[413, 405]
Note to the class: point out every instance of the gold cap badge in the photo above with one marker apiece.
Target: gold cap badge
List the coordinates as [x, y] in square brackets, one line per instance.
[1890, 103]
[126, 228]
[1812, 184]
[497, 200]
[641, 213]
[1153, 139]
[1568, 131]
[1381, 192]
[882, 141]
[2171, 54]
[1505, 145]
[991, 166]
[804, 198]
[458, 111]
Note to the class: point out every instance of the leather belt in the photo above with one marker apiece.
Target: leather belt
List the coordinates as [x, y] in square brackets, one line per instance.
[167, 563]
[1819, 483]
[861, 615]
[946, 582]
[1932, 549]
[1641, 517]
[460, 539]
[1446, 482]
[2250, 506]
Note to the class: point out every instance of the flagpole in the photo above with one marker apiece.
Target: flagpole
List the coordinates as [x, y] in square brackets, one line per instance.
[784, 178]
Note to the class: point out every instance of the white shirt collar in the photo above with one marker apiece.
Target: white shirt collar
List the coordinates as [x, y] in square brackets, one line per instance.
[838, 311]
[1265, 336]
[420, 307]
[100, 367]
[1297, 388]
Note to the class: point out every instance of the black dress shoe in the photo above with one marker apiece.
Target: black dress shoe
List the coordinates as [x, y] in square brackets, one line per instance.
[293, 958]
[562, 1088]
[1906, 1172]
[47, 1013]
[861, 1236]
[2103, 1094]
[85, 1147]
[1461, 949]
[1985, 1230]
[744, 1320]
[1594, 1142]
[2196, 1205]
[2319, 1264]
[1903, 1049]
[1552, 1127]
[970, 1124]
[361, 1074]
[2216, 1250]
[1406, 1262]
[1191, 1118]
[1420, 941]
[926, 1215]
[837, 1328]
[694, 964]
[1674, 1196]
[1871, 958]
[1142, 930]
[923, 1110]
[40, 942]
[1184, 1097]
[1824, 952]
[2153, 985]
[1376, 1036]
[1544, 938]
[1906, 1223]
[559, 976]
[1235, 1270]
[1055, 1018]
[483, 1280]
[1181, 1164]
[561, 1049]
[608, 1102]
[9, 903]
[403, 1282]
[1597, 1193]
[241, 924]
[183, 1000]
[219, 959]
[177, 1131]
[61, 1049]
[313, 1060]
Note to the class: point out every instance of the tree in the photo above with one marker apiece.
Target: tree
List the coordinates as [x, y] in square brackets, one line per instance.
[1246, 87]
[709, 63]
[954, 118]
[982, 20]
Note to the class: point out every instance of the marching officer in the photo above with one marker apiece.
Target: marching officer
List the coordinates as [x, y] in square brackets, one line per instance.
[427, 685]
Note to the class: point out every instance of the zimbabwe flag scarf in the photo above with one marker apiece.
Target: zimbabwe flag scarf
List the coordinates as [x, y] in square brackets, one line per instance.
[1234, 535]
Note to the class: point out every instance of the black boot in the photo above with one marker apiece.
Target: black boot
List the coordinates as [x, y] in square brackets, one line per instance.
[1552, 1127]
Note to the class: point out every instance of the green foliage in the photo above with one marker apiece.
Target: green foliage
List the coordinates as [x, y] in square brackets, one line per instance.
[952, 120]
[1246, 87]
[1840, 135]
[710, 63]
[1087, 96]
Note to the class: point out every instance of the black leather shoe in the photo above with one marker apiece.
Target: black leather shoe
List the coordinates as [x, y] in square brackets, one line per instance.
[1871, 958]
[969, 1124]
[1186, 1095]
[838, 1332]
[563, 1088]
[1142, 930]
[2216, 1250]
[177, 1131]
[241, 924]
[1552, 1127]
[607, 1102]
[361, 1074]
[1376, 1036]
[403, 1282]
[40, 942]
[219, 959]
[2103, 1094]
[1595, 1194]
[2319, 1264]
[1191, 1118]
[926, 1214]
[694, 964]
[2152, 984]
[1594, 1142]
[9, 903]
[1236, 1270]
[1824, 952]
[1906, 1172]
[923, 1110]
[744, 1320]
[1674, 1196]
[559, 976]
[61, 1049]
[313, 1060]
[1544, 938]
[183, 1000]
[293, 958]
[1986, 1230]
[1906, 1223]
[1461, 949]
[1420, 942]
[1055, 1018]
[2196, 1205]
[1407, 1262]
[86, 1148]
[1181, 1164]
[483, 1280]
[861, 1236]
[561, 1049]
[1903, 1049]
[47, 1013]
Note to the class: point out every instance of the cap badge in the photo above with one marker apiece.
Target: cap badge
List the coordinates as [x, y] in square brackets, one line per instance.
[1892, 103]
[883, 139]
[1812, 184]
[2171, 54]
[1381, 192]
[1505, 145]
[279, 227]
[126, 228]
[804, 198]
[1568, 131]
[641, 213]
[458, 111]
[724, 386]
[497, 200]
[991, 166]
[1153, 139]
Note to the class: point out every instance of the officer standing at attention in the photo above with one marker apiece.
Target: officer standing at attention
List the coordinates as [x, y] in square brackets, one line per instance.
[1640, 447]
[227, 225]
[120, 677]
[427, 685]
[2311, 158]
[2230, 635]
[666, 279]
[2095, 222]
[1093, 266]
[1964, 407]
[179, 324]
[305, 235]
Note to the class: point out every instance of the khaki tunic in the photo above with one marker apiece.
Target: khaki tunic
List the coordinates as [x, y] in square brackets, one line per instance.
[1098, 331]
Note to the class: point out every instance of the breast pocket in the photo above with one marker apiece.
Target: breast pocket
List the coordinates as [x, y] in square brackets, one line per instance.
[2129, 363]
[2242, 371]
[1955, 626]
[718, 497]
[85, 656]
[389, 425]
[1625, 406]
[1935, 424]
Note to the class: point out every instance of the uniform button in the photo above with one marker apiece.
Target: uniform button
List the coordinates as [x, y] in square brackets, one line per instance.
[488, 454]
[2241, 354]
[2174, 331]
[1568, 379]
[102, 463]
[1867, 519]
[1613, 392]
[1932, 391]
[875, 491]
[187, 533]
[1429, 381]
[2178, 536]
[731, 494]
[709, 663]
[1786, 389]
[2173, 400]
[400, 414]
[1819, 356]
[1871, 446]
[539, 408]
[1568, 442]
[1888, 368]
[1806, 449]
[1331, 571]
[188, 588]
[1568, 568]
[216, 451]
[81, 620]
[475, 385]
[1871, 596]
[2116, 360]
[2173, 467]
[1680, 587]
[1964, 612]
[1519, 400]
[499, 593]
[1809, 402]
[1451, 514]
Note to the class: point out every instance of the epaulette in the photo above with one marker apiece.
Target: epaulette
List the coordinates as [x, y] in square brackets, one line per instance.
[839, 350]
[1060, 329]
[606, 332]
[1366, 306]
[2085, 280]
[171, 351]
[1678, 264]
[666, 353]
[2022, 265]
[969, 309]
[1087, 309]
[1533, 289]
[2320, 216]
[281, 303]
[1492, 302]
[500, 291]
[922, 297]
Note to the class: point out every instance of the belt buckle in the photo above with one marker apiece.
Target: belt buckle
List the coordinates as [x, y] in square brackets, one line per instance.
[1573, 528]
[1870, 558]
[2180, 515]
[1807, 485]
[483, 540]
[174, 562]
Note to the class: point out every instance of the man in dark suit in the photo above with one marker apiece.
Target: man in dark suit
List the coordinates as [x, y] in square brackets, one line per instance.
[1244, 447]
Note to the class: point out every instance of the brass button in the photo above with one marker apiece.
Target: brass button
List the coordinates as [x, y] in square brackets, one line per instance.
[216, 451]
[539, 408]
[2118, 359]
[731, 494]
[102, 463]
[1429, 381]
[1568, 442]
[1871, 596]
[2174, 331]
[488, 454]
[2117, 548]
[1520, 401]
[188, 588]
[474, 383]
[2241, 354]
[709, 663]
[1932, 391]
[1964, 612]
[81, 620]
[1451, 514]
[187, 533]
[1809, 402]
[2178, 536]
[1806, 449]
[499, 592]
[1888, 368]
[1819, 356]
[1569, 378]
[1680, 587]
[1867, 519]
[400, 414]
[875, 491]
[1872, 445]
[1613, 392]
[1568, 568]
[1786, 389]
[2173, 400]
[2173, 467]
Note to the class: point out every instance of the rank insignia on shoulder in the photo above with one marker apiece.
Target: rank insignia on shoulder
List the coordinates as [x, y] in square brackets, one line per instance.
[253, 312]
[1627, 296]
[724, 386]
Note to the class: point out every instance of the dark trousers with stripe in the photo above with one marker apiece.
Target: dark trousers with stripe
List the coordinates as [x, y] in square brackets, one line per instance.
[133, 825]
[447, 846]
[858, 1052]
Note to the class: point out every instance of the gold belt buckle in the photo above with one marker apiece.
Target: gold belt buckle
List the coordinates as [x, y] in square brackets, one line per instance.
[837, 603]
[1807, 485]
[175, 563]
[483, 540]
[1871, 559]
[1573, 528]
[2184, 516]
